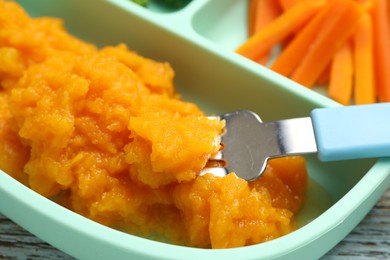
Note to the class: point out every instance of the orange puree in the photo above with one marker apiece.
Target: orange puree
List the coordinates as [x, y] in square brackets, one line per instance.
[103, 133]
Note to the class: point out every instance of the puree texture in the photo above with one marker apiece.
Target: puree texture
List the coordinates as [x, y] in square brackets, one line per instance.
[103, 133]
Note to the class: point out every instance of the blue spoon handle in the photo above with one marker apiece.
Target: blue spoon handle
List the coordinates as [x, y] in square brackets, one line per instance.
[352, 132]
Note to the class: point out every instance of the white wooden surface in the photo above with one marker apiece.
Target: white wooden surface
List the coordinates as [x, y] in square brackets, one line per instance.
[369, 240]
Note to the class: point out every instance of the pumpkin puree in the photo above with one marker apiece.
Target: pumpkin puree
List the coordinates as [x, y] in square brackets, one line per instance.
[103, 133]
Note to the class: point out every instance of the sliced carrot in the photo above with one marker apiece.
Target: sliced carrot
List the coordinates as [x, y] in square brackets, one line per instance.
[292, 54]
[332, 35]
[323, 79]
[264, 12]
[364, 62]
[252, 9]
[287, 4]
[261, 42]
[341, 75]
[367, 4]
[388, 11]
[380, 16]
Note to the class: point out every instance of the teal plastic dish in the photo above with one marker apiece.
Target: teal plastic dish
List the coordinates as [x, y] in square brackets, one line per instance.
[198, 40]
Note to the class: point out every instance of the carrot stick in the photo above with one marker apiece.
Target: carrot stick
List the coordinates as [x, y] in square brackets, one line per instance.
[332, 35]
[380, 16]
[287, 4]
[252, 9]
[341, 75]
[364, 62]
[291, 55]
[388, 11]
[264, 12]
[367, 4]
[324, 77]
[260, 43]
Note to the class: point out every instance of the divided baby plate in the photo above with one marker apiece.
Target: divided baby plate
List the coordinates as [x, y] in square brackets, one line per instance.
[198, 41]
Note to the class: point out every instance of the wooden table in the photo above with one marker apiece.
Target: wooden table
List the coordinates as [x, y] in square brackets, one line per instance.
[369, 240]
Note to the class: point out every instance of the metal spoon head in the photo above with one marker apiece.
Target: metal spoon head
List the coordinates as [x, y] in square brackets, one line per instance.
[242, 147]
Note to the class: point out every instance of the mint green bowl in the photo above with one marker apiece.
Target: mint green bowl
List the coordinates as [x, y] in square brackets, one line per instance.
[198, 40]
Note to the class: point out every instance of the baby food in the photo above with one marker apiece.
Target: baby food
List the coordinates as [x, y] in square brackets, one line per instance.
[103, 132]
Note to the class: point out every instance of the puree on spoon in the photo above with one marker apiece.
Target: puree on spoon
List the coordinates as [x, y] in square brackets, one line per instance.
[103, 133]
